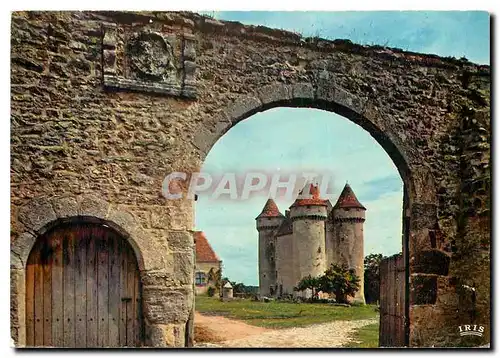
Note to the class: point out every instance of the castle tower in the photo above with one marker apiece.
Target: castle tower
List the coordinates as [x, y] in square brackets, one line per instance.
[285, 257]
[348, 220]
[268, 222]
[308, 217]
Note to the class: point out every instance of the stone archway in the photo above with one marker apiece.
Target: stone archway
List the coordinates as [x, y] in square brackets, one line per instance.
[419, 199]
[43, 214]
[431, 113]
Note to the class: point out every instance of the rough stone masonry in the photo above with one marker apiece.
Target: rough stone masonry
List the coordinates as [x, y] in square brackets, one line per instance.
[105, 104]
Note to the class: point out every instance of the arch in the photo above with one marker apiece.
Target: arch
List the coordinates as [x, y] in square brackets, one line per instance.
[44, 213]
[83, 258]
[41, 214]
[360, 110]
[419, 194]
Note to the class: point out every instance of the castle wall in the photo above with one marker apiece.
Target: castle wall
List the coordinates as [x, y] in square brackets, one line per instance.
[348, 237]
[285, 264]
[330, 242]
[267, 255]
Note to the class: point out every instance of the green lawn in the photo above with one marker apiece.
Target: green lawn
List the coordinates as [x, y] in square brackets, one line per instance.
[365, 337]
[282, 314]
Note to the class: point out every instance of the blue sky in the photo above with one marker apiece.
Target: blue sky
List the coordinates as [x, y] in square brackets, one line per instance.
[291, 139]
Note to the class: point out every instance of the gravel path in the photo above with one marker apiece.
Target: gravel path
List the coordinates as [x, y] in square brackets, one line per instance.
[237, 334]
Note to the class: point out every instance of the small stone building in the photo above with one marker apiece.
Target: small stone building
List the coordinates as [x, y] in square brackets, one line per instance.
[307, 239]
[227, 291]
[206, 260]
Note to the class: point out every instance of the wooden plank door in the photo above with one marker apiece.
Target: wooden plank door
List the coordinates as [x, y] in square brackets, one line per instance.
[83, 290]
[392, 302]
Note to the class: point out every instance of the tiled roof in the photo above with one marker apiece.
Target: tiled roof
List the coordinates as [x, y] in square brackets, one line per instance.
[347, 199]
[315, 198]
[270, 210]
[204, 252]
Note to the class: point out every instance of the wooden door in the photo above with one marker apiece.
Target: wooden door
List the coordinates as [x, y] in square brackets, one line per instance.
[83, 289]
[392, 302]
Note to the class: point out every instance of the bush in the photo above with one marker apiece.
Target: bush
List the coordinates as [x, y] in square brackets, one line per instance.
[211, 291]
[311, 283]
[340, 281]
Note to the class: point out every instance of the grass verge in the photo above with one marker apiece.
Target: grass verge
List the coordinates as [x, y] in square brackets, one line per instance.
[365, 337]
[282, 314]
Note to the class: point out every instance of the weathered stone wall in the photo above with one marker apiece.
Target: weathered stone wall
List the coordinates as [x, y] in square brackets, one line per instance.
[285, 264]
[89, 117]
[330, 241]
[349, 244]
[309, 240]
[267, 255]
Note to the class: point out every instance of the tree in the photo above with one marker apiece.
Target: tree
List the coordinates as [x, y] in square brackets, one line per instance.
[214, 277]
[340, 281]
[309, 282]
[372, 277]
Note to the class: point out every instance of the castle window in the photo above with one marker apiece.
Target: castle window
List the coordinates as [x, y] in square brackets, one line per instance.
[200, 279]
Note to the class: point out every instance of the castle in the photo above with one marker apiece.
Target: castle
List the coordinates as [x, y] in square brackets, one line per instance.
[307, 239]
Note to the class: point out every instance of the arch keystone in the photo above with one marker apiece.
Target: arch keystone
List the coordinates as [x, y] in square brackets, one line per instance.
[303, 91]
[91, 205]
[274, 93]
[65, 206]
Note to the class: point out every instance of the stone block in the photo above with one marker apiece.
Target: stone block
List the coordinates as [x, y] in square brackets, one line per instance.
[243, 108]
[22, 247]
[184, 267]
[180, 241]
[160, 278]
[165, 305]
[37, 214]
[303, 91]
[274, 93]
[65, 206]
[123, 219]
[176, 214]
[349, 100]
[91, 205]
[325, 91]
[167, 335]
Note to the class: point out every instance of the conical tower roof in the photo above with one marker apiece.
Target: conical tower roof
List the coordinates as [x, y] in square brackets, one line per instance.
[347, 199]
[270, 210]
[315, 198]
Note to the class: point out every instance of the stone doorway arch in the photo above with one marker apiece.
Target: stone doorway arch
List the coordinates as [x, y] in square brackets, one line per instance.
[41, 215]
[83, 288]
[419, 195]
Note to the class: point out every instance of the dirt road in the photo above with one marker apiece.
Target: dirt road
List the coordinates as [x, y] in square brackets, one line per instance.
[226, 332]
